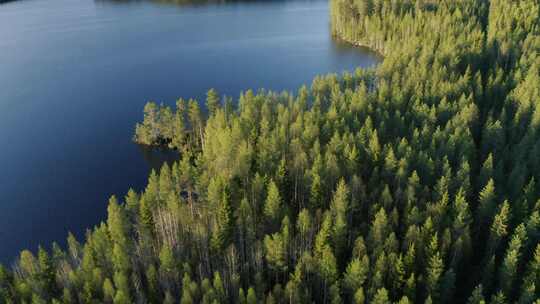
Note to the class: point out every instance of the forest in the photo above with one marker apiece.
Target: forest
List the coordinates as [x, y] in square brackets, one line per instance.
[417, 181]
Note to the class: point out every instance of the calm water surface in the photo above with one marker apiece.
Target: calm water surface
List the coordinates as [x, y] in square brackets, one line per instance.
[75, 75]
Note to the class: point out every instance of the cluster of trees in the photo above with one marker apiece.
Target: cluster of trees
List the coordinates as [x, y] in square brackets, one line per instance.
[413, 182]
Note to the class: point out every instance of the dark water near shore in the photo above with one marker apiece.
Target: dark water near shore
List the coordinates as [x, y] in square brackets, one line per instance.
[75, 75]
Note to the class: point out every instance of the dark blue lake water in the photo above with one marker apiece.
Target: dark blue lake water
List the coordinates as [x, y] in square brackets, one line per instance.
[75, 75]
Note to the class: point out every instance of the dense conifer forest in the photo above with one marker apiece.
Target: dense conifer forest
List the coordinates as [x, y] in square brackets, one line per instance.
[413, 182]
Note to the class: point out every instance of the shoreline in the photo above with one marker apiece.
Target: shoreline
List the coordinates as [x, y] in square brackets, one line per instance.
[359, 44]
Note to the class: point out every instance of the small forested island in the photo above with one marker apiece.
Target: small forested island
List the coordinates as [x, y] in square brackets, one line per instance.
[413, 182]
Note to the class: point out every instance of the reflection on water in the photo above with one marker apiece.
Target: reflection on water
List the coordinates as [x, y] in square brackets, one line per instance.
[155, 157]
[342, 47]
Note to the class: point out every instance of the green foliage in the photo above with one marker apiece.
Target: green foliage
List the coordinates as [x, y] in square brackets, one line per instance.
[108, 291]
[167, 262]
[411, 182]
[381, 297]
[224, 223]
[212, 101]
[251, 296]
[356, 274]
[272, 205]
[276, 246]
[121, 298]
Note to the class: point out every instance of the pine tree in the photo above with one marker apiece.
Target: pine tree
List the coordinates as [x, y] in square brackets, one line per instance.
[151, 192]
[487, 202]
[322, 240]
[121, 282]
[397, 273]
[132, 201]
[374, 146]
[165, 182]
[36, 299]
[118, 225]
[241, 296]
[196, 122]
[108, 291]
[531, 278]
[476, 297]
[410, 287]
[486, 172]
[251, 298]
[152, 281]
[276, 252]
[187, 293]
[499, 228]
[304, 228]
[219, 288]
[145, 214]
[498, 298]
[359, 297]
[5, 285]
[379, 231]
[121, 298]
[381, 297]
[510, 263]
[179, 129]
[327, 269]
[46, 272]
[224, 223]
[434, 270]
[212, 101]
[404, 300]
[120, 258]
[356, 274]
[272, 205]
[340, 209]
[167, 263]
[316, 191]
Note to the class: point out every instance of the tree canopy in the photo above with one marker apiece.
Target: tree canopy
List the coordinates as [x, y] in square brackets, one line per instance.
[412, 182]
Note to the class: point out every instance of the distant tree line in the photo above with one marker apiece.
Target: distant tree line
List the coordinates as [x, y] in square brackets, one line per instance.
[173, 2]
[412, 182]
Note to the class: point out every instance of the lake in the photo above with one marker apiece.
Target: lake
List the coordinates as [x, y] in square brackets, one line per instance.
[75, 75]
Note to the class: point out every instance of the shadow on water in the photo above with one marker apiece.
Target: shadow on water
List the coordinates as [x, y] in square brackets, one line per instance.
[155, 157]
[343, 48]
